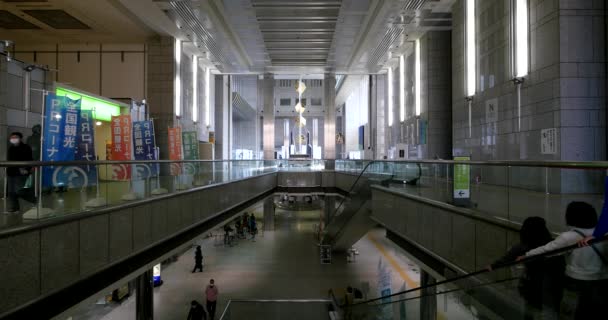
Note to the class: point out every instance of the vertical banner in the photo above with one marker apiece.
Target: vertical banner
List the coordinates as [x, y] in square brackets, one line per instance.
[85, 147]
[462, 183]
[121, 146]
[175, 149]
[145, 148]
[190, 147]
[190, 143]
[60, 134]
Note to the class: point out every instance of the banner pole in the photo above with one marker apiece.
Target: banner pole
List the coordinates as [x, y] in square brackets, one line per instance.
[38, 210]
[158, 190]
[99, 201]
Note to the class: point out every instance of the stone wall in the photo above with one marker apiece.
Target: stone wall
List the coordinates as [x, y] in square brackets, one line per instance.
[564, 90]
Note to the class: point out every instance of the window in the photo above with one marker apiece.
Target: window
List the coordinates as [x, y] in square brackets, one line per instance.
[285, 102]
[315, 101]
[284, 83]
[303, 101]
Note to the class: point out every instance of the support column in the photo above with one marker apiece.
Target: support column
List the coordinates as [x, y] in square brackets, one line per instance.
[269, 214]
[144, 296]
[428, 301]
[160, 79]
[329, 102]
[267, 95]
[223, 118]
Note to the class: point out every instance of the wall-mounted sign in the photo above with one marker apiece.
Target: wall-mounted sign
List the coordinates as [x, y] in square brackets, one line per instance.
[492, 110]
[462, 183]
[548, 141]
[102, 109]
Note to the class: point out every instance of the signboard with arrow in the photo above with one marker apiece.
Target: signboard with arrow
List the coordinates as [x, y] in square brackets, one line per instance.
[462, 183]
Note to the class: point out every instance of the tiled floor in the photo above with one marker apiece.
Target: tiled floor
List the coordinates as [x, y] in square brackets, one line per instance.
[281, 264]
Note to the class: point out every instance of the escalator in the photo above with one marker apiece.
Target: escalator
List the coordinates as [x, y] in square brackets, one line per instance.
[485, 294]
[351, 220]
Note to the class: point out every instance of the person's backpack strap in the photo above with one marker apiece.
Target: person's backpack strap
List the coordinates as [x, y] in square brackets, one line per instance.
[604, 260]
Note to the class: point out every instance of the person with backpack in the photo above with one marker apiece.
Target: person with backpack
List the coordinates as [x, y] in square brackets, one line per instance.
[586, 268]
[541, 286]
[197, 312]
[198, 259]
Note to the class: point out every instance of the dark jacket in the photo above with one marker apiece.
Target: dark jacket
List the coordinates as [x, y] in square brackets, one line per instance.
[198, 257]
[197, 312]
[20, 152]
[543, 279]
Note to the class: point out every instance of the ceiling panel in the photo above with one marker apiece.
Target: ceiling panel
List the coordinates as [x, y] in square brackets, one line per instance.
[57, 19]
[297, 32]
[11, 21]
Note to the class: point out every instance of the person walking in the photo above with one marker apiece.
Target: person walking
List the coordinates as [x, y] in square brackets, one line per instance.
[252, 227]
[197, 312]
[211, 293]
[17, 176]
[198, 259]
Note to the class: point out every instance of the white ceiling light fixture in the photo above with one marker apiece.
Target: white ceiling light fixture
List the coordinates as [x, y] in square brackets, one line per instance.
[194, 88]
[391, 111]
[521, 38]
[207, 96]
[178, 81]
[470, 48]
[418, 80]
[402, 88]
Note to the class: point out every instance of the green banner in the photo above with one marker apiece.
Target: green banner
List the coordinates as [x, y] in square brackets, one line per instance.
[190, 144]
[462, 179]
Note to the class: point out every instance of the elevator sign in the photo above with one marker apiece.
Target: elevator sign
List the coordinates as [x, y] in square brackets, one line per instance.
[462, 183]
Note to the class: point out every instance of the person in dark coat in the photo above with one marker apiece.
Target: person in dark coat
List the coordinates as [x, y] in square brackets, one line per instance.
[197, 312]
[198, 259]
[17, 176]
[542, 285]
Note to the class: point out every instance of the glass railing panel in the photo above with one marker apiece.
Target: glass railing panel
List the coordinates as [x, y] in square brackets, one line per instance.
[273, 309]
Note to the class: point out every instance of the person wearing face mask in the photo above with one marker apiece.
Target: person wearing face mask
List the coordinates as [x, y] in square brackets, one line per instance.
[211, 293]
[17, 176]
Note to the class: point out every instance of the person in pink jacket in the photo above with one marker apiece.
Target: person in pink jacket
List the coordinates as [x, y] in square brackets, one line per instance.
[211, 293]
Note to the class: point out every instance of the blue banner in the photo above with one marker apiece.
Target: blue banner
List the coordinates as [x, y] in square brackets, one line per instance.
[85, 150]
[61, 140]
[144, 148]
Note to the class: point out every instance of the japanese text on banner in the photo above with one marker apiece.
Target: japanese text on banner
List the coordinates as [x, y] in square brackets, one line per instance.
[175, 149]
[144, 148]
[190, 143]
[60, 133]
[121, 146]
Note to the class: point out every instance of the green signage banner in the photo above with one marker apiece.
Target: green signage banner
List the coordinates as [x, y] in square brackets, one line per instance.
[462, 179]
[190, 144]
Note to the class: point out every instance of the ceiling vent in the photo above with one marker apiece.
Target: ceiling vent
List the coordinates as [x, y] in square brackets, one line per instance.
[57, 19]
[11, 21]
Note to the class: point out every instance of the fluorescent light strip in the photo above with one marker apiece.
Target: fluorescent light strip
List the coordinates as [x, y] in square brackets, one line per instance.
[470, 47]
[521, 38]
[207, 96]
[418, 81]
[178, 81]
[401, 89]
[194, 88]
[391, 111]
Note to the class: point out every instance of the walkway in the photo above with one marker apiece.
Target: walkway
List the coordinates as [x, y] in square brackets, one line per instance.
[281, 264]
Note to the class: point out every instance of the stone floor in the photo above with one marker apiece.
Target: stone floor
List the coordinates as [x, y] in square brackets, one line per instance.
[280, 264]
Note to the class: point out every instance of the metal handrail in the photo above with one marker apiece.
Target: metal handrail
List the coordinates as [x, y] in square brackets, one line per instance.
[510, 163]
[222, 317]
[527, 259]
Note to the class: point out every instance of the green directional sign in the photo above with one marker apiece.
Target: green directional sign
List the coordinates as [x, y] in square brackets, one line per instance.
[462, 181]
